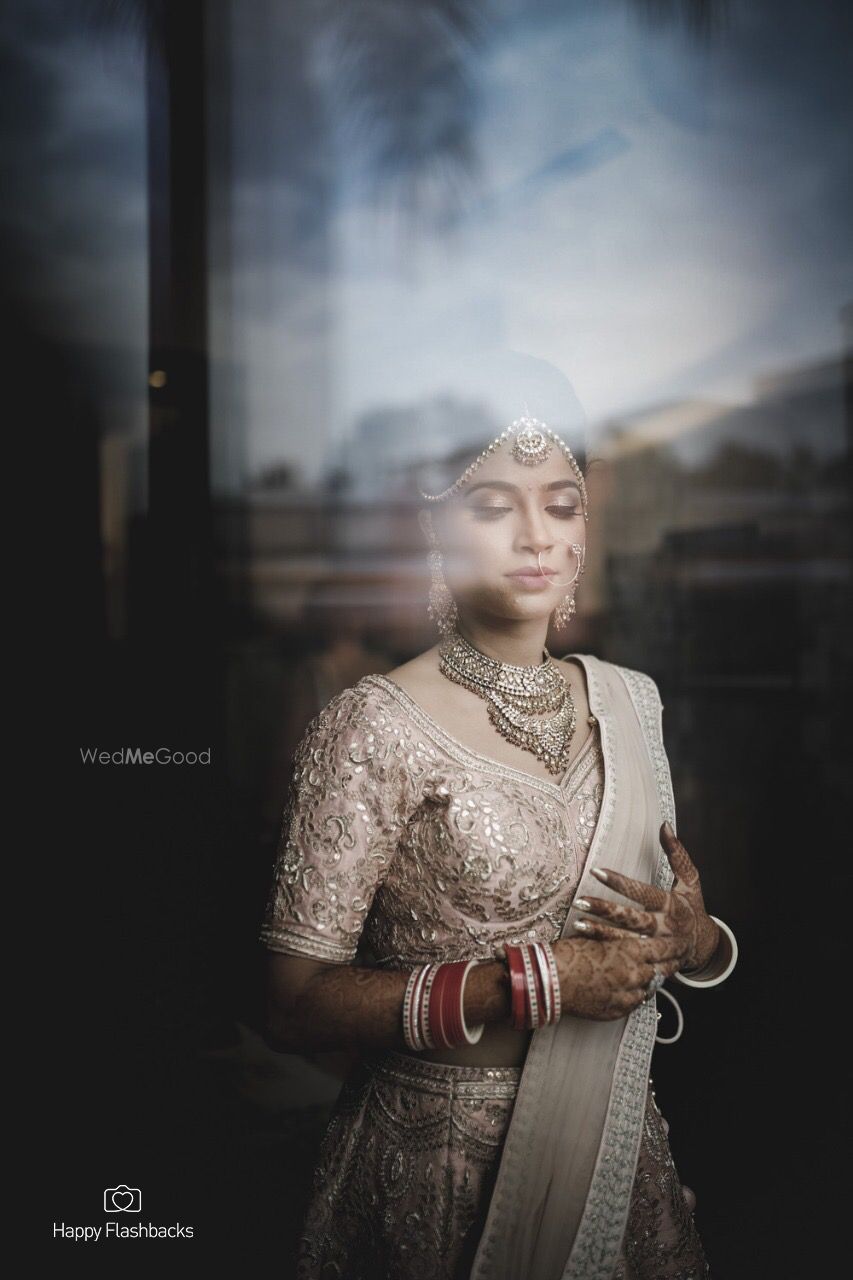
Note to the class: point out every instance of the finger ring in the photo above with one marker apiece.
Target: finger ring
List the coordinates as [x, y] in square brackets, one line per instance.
[654, 984]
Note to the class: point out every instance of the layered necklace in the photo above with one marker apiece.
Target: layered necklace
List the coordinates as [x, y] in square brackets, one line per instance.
[516, 697]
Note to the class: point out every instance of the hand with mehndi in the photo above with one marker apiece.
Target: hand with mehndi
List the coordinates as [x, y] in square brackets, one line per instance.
[678, 914]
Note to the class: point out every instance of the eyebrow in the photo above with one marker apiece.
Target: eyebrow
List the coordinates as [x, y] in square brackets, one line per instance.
[514, 488]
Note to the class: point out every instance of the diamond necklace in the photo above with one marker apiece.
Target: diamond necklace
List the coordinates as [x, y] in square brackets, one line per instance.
[515, 696]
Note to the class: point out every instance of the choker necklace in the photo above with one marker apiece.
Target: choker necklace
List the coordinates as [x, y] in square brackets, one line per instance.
[515, 696]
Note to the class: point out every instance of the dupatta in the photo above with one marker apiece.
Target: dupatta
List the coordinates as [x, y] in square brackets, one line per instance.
[560, 1203]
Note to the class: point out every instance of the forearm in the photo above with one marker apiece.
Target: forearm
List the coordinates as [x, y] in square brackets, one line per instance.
[358, 1008]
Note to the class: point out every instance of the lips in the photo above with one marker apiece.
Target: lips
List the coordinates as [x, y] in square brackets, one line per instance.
[531, 572]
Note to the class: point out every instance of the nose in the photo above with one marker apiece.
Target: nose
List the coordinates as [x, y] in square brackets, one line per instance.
[535, 536]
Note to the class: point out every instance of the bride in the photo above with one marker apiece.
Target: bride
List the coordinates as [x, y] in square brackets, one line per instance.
[478, 889]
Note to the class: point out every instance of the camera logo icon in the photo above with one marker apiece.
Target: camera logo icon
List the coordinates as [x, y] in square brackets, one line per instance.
[122, 1199]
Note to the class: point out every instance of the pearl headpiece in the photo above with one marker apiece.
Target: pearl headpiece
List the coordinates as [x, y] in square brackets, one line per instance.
[532, 444]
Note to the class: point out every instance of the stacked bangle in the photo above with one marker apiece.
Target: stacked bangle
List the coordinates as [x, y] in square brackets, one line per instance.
[434, 1007]
[534, 984]
[413, 1030]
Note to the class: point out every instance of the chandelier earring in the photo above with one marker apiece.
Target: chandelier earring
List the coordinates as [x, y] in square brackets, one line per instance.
[441, 607]
[566, 609]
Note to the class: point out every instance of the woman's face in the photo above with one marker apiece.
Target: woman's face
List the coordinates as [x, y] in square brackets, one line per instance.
[499, 522]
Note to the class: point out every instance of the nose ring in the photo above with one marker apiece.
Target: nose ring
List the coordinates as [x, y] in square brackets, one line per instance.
[580, 553]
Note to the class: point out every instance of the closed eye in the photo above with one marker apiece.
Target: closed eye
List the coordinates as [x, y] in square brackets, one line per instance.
[561, 511]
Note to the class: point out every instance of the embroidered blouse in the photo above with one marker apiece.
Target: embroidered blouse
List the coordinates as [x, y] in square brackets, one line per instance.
[398, 838]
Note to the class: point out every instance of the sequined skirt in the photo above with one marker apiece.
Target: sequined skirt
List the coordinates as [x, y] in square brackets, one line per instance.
[408, 1163]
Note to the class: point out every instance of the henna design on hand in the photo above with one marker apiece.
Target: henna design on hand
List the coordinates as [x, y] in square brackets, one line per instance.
[607, 979]
[678, 914]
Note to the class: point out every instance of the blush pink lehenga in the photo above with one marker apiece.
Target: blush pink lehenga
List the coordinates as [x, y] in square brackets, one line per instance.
[399, 841]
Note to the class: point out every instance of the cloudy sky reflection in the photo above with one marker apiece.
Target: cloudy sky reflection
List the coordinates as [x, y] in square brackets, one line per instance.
[661, 216]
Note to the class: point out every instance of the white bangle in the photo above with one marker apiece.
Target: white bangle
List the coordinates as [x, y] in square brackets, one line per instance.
[659, 1039]
[412, 1007]
[471, 1034]
[721, 977]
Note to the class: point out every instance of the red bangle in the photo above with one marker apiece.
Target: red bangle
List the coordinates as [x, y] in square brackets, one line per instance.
[518, 985]
[445, 1011]
[450, 996]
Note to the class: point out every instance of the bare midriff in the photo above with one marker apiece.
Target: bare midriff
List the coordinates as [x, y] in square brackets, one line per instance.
[500, 1045]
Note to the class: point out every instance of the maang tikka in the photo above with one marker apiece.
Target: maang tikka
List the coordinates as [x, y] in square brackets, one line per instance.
[532, 444]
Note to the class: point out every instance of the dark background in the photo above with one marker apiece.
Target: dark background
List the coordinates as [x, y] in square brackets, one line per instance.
[179, 611]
